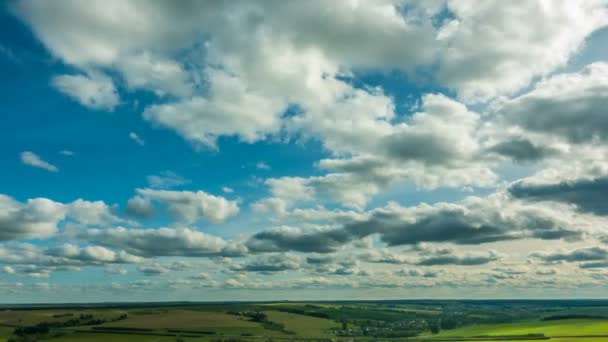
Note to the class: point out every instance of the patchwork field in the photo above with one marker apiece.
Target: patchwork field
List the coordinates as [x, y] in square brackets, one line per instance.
[430, 321]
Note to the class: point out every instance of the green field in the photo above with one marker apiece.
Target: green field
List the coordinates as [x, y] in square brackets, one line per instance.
[183, 319]
[575, 327]
[82, 337]
[566, 339]
[455, 321]
[303, 325]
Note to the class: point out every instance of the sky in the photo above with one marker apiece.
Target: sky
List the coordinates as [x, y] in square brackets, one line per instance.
[273, 150]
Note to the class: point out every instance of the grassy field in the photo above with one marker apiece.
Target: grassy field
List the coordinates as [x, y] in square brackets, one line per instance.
[573, 327]
[5, 333]
[303, 325]
[183, 319]
[85, 337]
[27, 317]
[567, 339]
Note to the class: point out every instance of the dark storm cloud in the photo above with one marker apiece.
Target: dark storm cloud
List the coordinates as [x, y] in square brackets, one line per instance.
[589, 195]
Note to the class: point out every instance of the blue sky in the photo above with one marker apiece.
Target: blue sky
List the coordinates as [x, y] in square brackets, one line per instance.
[384, 149]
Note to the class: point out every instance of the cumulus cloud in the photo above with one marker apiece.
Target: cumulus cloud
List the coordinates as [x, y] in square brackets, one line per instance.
[91, 213]
[473, 63]
[187, 205]
[163, 242]
[319, 240]
[577, 255]
[41, 261]
[297, 77]
[95, 254]
[474, 220]
[522, 150]
[469, 259]
[94, 91]
[232, 109]
[569, 106]
[37, 218]
[152, 269]
[437, 146]
[141, 207]
[270, 264]
[588, 195]
[385, 256]
[32, 159]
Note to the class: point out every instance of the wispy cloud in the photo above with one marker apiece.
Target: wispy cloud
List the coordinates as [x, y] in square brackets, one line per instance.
[32, 159]
[135, 137]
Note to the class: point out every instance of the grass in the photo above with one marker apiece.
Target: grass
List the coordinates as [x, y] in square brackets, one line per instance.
[303, 325]
[572, 327]
[568, 339]
[5, 332]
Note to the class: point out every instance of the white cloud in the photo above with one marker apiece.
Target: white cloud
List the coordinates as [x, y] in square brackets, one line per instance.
[40, 218]
[37, 218]
[296, 75]
[94, 91]
[95, 213]
[141, 207]
[262, 166]
[41, 261]
[232, 109]
[94, 254]
[137, 139]
[166, 180]
[491, 49]
[161, 242]
[192, 206]
[143, 71]
[32, 159]
[570, 106]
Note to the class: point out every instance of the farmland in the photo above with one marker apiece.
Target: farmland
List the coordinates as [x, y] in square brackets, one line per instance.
[431, 321]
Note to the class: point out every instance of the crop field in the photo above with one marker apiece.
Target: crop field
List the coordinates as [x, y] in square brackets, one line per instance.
[183, 319]
[430, 321]
[574, 327]
[303, 325]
